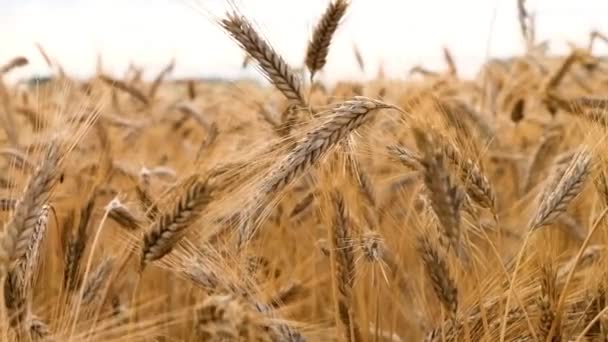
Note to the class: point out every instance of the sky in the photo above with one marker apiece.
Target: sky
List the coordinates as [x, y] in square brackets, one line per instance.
[396, 34]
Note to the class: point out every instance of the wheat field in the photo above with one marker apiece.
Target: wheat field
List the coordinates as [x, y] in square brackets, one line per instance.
[422, 208]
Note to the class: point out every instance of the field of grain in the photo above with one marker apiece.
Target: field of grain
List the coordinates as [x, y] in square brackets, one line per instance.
[420, 208]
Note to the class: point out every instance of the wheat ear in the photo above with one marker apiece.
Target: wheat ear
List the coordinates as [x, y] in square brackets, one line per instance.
[439, 273]
[20, 227]
[318, 46]
[343, 263]
[166, 232]
[446, 197]
[271, 63]
[343, 119]
[562, 190]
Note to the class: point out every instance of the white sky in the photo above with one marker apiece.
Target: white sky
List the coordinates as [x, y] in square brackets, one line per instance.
[398, 33]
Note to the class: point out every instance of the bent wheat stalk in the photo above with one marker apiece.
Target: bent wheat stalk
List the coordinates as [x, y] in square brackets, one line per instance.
[343, 119]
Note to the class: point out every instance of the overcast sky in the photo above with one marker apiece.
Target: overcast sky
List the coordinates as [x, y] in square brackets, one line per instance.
[396, 33]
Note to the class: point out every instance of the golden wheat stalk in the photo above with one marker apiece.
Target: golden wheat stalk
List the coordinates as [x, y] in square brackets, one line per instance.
[129, 89]
[476, 183]
[20, 227]
[76, 245]
[318, 46]
[27, 267]
[16, 62]
[547, 303]
[562, 190]
[170, 227]
[271, 63]
[96, 281]
[438, 272]
[446, 196]
[406, 157]
[343, 264]
[343, 119]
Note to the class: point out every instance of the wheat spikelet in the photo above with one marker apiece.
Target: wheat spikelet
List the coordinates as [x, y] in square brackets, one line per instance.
[272, 64]
[96, 281]
[166, 232]
[15, 299]
[457, 108]
[148, 205]
[342, 254]
[476, 184]
[547, 303]
[76, 245]
[567, 187]
[16, 62]
[446, 197]
[129, 89]
[222, 318]
[318, 46]
[541, 158]
[27, 266]
[206, 272]
[407, 158]
[343, 119]
[20, 227]
[454, 117]
[439, 274]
